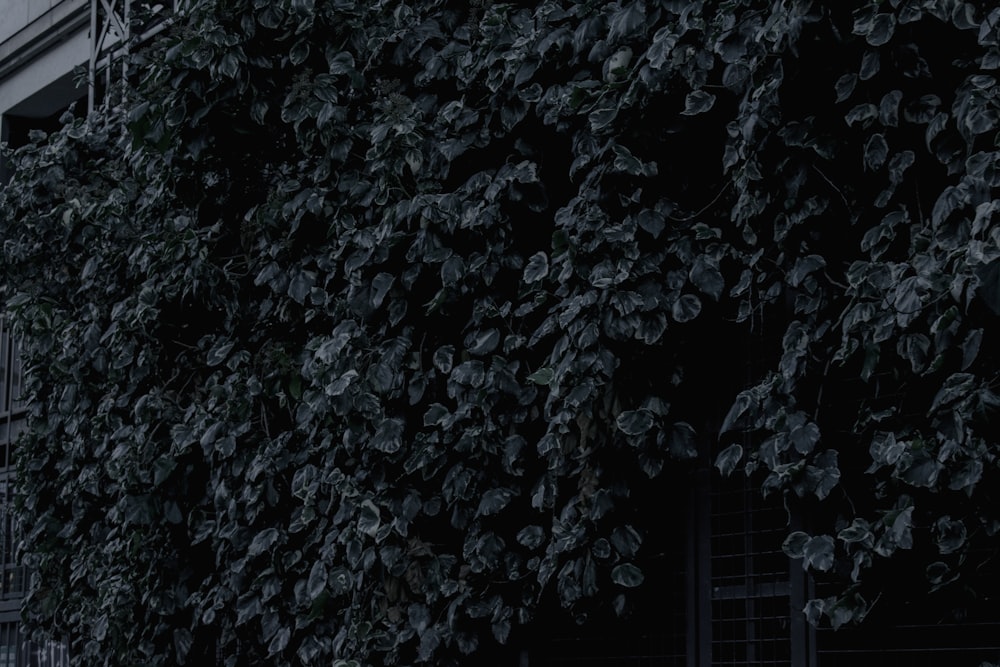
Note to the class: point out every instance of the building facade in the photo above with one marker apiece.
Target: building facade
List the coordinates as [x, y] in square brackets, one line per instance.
[726, 594]
[54, 55]
[42, 45]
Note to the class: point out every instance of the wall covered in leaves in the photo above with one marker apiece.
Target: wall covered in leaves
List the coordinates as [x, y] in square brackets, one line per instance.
[368, 331]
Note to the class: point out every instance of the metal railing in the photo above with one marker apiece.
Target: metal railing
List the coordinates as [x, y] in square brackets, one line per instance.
[12, 413]
[113, 32]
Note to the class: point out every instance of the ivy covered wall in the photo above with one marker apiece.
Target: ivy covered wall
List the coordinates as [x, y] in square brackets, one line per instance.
[368, 330]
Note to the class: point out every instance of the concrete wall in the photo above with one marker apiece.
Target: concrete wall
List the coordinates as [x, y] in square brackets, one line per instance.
[41, 43]
[15, 15]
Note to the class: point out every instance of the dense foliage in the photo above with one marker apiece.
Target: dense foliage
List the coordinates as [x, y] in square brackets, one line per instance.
[380, 325]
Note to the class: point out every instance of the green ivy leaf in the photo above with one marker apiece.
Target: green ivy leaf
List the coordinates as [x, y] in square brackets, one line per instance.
[537, 268]
[794, 545]
[698, 101]
[369, 519]
[301, 284]
[739, 409]
[686, 308]
[858, 531]
[627, 575]
[280, 642]
[728, 458]
[683, 441]
[531, 536]
[388, 436]
[861, 113]
[263, 541]
[707, 277]
[950, 535]
[626, 541]
[484, 342]
[183, 641]
[818, 553]
[804, 437]
[635, 422]
[316, 583]
[652, 222]
[493, 501]
[876, 151]
[845, 86]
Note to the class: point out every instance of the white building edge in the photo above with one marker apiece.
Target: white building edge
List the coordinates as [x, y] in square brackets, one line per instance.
[53, 54]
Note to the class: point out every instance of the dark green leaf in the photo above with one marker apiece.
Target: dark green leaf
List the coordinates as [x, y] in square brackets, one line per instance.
[183, 641]
[803, 267]
[493, 501]
[858, 531]
[537, 268]
[888, 108]
[389, 435]
[635, 422]
[531, 536]
[734, 418]
[279, 642]
[902, 529]
[626, 162]
[950, 535]
[369, 520]
[845, 86]
[698, 101]
[881, 29]
[317, 580]
[683, 441]
[625, 21]
[484, 342]
[707, 277]
[966, 476]
[626, 541]
[471, 373]
[542, 376]
[652, 222]
[301, 284]
[686, 308]
[876, 151]
[804, 437]
[728, 458]
[601, 118]
[453, 270]
[957, 386]
[443, 358]
[794, 545]
[435, 414]
[380, 286]
[870, 65]
[861, 113]
[627, 575]
[263, 541]
[818, 552]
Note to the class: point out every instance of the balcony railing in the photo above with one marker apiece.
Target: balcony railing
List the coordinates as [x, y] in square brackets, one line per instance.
[116, 26]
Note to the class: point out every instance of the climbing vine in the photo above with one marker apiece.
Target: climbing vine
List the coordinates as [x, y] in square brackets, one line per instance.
[363, 330]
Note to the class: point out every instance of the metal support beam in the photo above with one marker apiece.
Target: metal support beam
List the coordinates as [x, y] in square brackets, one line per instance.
[111, 37]
[110, 33]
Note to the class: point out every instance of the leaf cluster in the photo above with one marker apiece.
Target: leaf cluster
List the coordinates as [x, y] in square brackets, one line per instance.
[380, 326]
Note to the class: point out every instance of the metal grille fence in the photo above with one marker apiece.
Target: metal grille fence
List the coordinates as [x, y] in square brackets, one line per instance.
[751, 587]
[12, 406]
[12, 414]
